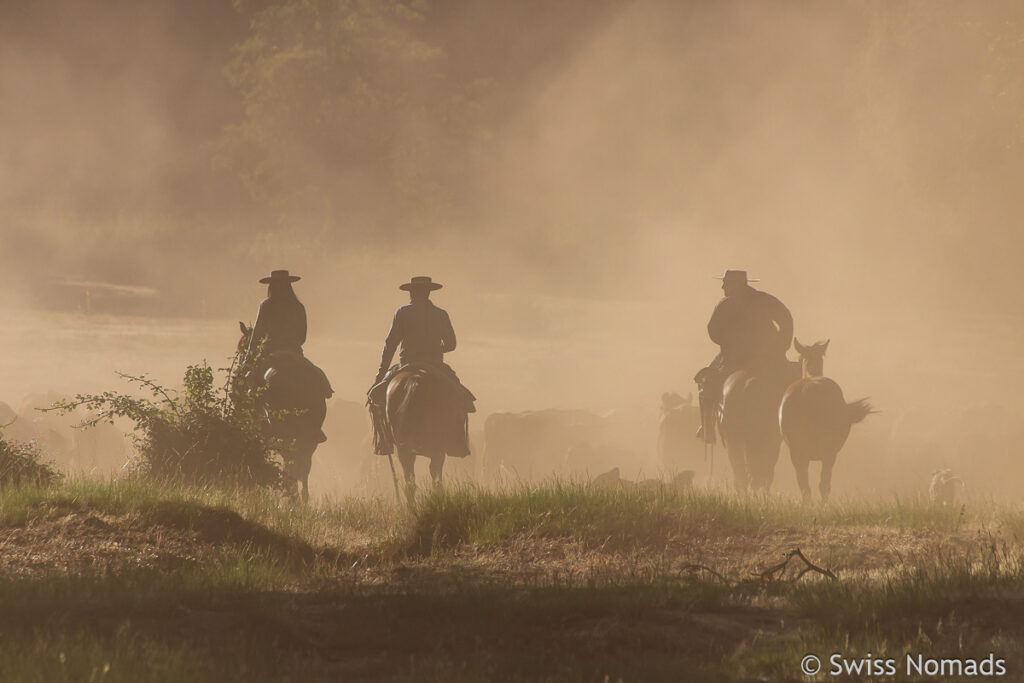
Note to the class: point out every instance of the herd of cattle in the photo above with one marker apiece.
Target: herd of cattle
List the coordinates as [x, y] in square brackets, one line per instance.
[916, 450]
[100, 449]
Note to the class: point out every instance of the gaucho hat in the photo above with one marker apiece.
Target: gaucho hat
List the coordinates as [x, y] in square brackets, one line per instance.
[421, 282]
[735, 276]
[277, 275]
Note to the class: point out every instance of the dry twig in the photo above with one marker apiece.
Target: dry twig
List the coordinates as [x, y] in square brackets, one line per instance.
[769, 575]
[774, 573]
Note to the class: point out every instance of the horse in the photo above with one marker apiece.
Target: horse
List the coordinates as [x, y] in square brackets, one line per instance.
[294, 402]
[748, 422]
[815, 419]
[424, 417]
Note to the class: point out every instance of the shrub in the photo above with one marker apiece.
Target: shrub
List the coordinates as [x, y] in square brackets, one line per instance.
[200, 435]
[21, 463]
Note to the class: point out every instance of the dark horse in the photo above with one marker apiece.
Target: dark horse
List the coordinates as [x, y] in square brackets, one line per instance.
[815, 419]
[750, 422]
[424, 417]
[294, 402]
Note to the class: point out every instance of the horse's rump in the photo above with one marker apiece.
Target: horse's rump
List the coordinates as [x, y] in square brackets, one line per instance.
[299, 389]
[422, 412]
[750, 422]
[297, 375]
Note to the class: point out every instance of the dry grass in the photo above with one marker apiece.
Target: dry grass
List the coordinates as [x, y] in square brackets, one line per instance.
[132, 582]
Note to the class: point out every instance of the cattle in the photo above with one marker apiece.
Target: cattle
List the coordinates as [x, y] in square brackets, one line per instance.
[678, 447]
[99, 449]
[983, 439]
[943, 487]
[584, 458]
[532, 445]
[14, 428]
[344, 462]
[612, 479]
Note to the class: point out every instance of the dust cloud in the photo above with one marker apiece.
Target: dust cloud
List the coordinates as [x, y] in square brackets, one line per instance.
[861, 159]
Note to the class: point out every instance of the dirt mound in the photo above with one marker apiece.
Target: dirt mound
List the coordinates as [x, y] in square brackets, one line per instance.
[167, 537]
[225, 526]
[93, 542]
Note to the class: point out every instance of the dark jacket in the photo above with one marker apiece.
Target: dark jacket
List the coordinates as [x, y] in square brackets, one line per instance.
[751, 326]
[282, 322]
[424, 331]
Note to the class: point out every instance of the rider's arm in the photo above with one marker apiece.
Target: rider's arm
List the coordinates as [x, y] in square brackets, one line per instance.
[784, 319]
[447, 335]
[390, 344]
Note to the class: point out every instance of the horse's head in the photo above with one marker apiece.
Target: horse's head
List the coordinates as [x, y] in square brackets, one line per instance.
[243, 343]
[812, 358]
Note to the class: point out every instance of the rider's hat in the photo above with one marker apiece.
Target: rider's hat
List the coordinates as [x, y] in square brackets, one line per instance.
[735, 276]
[276, 275]
[421, 282]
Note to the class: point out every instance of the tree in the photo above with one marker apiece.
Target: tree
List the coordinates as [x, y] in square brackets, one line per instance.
[351, 124]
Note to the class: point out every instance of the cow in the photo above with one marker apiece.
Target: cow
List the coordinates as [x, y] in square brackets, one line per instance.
[678, 447]
[943, 487]
[612, 479]
[535, 444]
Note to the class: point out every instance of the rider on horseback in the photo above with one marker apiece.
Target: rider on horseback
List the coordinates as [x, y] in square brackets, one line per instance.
[754, 331]
[425, 333]
[281, 328]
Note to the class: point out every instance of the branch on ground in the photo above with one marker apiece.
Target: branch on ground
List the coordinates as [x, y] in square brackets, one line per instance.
[772, 574]
[775, 572]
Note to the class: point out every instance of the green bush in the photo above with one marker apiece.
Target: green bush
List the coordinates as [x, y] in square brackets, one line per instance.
[201, 435]
[21, 463]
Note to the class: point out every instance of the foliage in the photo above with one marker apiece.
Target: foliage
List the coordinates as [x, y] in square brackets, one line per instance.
[201, 435]
[21, 463]
[344, 100]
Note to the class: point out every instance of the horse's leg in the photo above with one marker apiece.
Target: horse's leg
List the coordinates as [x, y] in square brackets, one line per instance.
[761, 469]
[738, 460]
[290, 469]
[800, 463]
[770, 460]
[303, 465]
[825, 485]
[436, 467]
[408, 461]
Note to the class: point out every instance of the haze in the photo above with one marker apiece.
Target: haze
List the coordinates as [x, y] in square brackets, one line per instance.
[574, 173]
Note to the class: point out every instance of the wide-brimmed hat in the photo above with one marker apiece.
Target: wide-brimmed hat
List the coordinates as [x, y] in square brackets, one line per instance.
[421, 282]
[735, 276]
[276, 275]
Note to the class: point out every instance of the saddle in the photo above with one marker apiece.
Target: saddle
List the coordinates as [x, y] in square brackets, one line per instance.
[296, 371]
[376, 399]
[377, 395]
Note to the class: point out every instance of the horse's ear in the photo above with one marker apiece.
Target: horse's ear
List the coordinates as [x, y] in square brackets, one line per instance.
[242, 327]
[824, 347]
[800, 348]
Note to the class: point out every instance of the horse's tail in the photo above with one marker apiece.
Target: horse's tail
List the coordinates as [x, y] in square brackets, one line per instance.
[857, 410]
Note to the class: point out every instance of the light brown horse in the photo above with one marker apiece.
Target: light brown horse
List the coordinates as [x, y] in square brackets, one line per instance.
[424, 418]
[815, 419]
